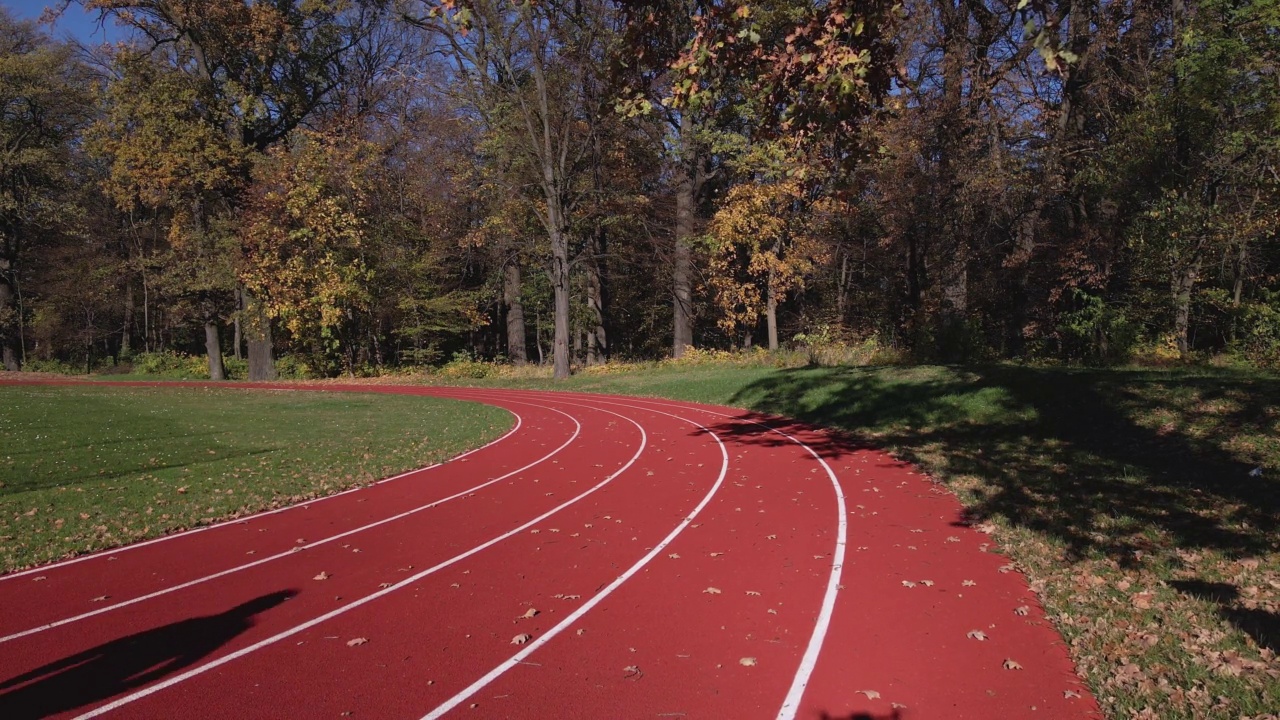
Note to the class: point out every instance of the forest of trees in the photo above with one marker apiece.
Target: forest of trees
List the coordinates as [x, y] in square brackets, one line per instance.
[352, 185]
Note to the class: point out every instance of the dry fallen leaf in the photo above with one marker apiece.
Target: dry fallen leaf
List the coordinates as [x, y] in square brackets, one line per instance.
[716, 554]
[871, 694]
[747, 662]
[674, 556]
[968, 583]
[357, 641]
[753, 592]
[39, 578]
[531, 612]
[1010, 664]
[384, 586]
[581, 631]
[321, 576]
[100, 598]
[712, 591]
[977, 635]
[908, 584]
[927, 583]
[521, 639]
[1070, 694]
[1021, 610]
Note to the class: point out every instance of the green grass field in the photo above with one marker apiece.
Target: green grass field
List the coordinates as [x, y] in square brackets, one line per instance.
[1128, 496]
[90, 467]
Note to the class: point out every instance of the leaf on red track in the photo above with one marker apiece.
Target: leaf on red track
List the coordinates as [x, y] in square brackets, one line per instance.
[321, 576]
[1011, 664]
[531, 612]
[521, 639]
[747, 662]
[977, 635]
[908, 584]
[674, 556]
[753, 592]
[100, 598]
[871, 694]
[927, 583]
[39, 578]
[1021, 610]
[770, 537]
[711, 591]
[354, 642]
[1070, 694]
[384, 586]
[968, 583]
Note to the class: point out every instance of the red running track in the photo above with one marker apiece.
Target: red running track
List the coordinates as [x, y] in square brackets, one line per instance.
[656, 558]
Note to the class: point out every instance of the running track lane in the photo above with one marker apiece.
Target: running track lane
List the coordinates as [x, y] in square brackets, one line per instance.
[656, 643]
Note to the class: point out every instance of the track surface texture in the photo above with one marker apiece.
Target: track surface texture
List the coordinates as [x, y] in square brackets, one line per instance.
[611, 557]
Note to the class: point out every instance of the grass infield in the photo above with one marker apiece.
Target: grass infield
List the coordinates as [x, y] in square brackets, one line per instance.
[87, 467]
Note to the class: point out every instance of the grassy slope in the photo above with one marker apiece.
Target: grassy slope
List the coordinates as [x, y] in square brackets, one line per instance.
[84, 468]
[1125, 495]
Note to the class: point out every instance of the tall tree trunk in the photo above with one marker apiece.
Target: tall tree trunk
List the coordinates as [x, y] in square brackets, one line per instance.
[8, 318]
[213, 348]
[1183, 283]
[597, 337]
[237, 337]
[126, 332]
[257, 330]
[560, 291]
[688, 187]
[515, 313]
[771, 313]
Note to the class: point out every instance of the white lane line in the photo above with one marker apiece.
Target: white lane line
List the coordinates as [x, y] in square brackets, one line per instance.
[546, 637]
[644, 441]
[791, 704]
[308, 546]
[264, 513]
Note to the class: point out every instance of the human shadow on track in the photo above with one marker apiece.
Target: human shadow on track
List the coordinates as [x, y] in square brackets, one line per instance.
[126, 663]
[895, 715]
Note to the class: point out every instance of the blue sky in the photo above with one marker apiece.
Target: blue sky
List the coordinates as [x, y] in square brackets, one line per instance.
[75, 22]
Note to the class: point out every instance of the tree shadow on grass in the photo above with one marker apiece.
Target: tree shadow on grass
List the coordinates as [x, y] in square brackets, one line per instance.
[1063, 452]
[127, 663]
[1262, 626]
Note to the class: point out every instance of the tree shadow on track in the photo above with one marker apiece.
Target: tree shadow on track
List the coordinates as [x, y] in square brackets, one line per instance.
[777, 432]
[127, 663]
[1101, 460]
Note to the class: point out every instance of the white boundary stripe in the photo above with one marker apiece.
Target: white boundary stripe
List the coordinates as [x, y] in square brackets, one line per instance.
[264, 513]
[308, 546]
[791, 704]
[644, 441]
[600, 596]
